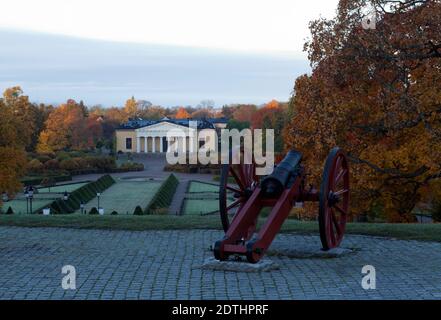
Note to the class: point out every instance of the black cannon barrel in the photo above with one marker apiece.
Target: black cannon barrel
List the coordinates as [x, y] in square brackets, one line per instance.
[274, 184]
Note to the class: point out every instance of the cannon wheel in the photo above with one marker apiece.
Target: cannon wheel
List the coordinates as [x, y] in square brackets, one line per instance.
[334, 199]
[245, 181]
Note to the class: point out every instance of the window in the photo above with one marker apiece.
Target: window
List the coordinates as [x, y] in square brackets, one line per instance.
[129, 143]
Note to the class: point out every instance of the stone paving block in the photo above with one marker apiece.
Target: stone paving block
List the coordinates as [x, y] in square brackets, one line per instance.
[168, 264]
[265, 265]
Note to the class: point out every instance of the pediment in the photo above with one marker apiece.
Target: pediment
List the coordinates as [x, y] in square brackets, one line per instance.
[162, 126]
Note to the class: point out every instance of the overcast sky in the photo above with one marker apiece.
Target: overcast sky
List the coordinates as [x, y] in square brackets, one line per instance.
[198, 49]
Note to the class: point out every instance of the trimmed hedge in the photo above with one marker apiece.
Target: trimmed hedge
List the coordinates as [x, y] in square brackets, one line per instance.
[93, 211]
[33, 181]
[84, 194]
[138, 211]
[164, 196]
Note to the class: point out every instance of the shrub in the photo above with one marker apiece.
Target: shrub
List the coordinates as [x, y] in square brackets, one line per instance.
[35, 166]
[48, 182]
[436, 211]
[104, 163]
[52, 164]
[93, 211]
[132, 166]
[43, 158]
[138, 211]
[114, 213]
[69, 164]
[163, 198]
[84, 194]
[9, 211]
[62, 155]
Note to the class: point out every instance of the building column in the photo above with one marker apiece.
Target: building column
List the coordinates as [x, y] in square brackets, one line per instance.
[184, 144]
[161, 144]
[145, 144]
[138, 144]
[153, 144]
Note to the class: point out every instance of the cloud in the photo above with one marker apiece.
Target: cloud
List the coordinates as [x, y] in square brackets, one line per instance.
[52, 68]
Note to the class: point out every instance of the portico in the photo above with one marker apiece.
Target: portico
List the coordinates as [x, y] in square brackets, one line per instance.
[164, 136]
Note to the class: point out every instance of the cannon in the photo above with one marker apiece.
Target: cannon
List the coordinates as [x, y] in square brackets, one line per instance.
[242, 196]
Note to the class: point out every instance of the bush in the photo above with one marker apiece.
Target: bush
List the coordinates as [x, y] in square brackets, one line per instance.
[104, 163]
[48, 182]
[114, 213]
[133, 166]
[93, 211]
[52, 164]
[35, 166]
[69, 164]
[32, 181]
[138, 211]
[43, 158]
[436, 211]
[84, 194]
[163, 198]
[9, 211]
[62, 155]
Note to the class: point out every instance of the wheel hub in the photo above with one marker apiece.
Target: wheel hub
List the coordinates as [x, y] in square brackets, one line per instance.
[333, 199]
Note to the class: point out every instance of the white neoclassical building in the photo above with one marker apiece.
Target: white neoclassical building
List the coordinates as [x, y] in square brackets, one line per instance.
[160, 136]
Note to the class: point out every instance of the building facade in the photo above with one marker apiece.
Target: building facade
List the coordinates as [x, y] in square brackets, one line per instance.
[168, 135]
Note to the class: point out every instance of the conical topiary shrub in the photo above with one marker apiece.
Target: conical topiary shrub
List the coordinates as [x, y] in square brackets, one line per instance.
[94, 211]
[9, 211]
[138, 211]
[114, 213]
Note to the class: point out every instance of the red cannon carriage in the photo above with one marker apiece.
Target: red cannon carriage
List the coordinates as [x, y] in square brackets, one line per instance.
[280, 191]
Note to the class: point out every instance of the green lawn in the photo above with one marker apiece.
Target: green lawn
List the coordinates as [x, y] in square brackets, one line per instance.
[200, 187]
[424, 232]
[62, 188]
[201, 198]
[124, 196]
[200, 207]
[18, 205]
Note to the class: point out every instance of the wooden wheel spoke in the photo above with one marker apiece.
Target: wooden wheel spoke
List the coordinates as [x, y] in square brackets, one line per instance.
[341, 192]
[336, 223]
[243, 176]
[330, 226]
[340, 175]
[244, 180]
[339, 209]
[234, 204]
[237, 178]
[235, 190]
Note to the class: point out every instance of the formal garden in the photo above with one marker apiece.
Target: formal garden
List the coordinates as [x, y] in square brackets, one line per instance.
[106, 195]
[60, 166]
[201, 199]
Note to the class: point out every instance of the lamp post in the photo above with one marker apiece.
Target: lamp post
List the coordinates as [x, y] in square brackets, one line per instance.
[31, 196]
[98, 196]
[27, 200]
[82, 207]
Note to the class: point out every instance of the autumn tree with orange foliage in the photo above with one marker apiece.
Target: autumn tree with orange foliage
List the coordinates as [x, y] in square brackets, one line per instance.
[377, 94]
[271, 116]
[182, 113]
[14, 136]
[66, 128]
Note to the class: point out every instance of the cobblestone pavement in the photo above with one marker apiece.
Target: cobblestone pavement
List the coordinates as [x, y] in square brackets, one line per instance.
[164, 265]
